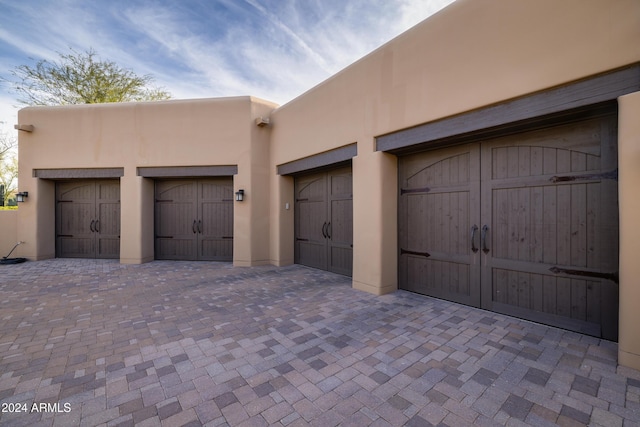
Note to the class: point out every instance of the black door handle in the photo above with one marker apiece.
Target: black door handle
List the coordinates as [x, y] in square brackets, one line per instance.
[96, 226]
[200, 226]
[193, 226]
[473, 238]
[91, 226]
[324, 233]
[485, 228]
[329, 230]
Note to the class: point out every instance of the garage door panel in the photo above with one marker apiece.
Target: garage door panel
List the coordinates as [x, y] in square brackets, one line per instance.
[108, 247]
[438, 223]
[217, 190]
[107, 190]
[341, 259]
[76, 191]
[311, 221]
[194, 219]
[311, 188]
[109, 219]
[547, 202]
[341, 227]
[312, 254]
[447, 171]
[76, 247]
[175, 249]
[577, 299]
[340, 183]
[86, 213]
[175, 219]
[547, 225]
[437, 211]
[176, 191]
[107, 229]
[324, 220]
[555, 224]
[217, 219]
[74, 218]
[442, 279]
[216, 249]
[215, 231]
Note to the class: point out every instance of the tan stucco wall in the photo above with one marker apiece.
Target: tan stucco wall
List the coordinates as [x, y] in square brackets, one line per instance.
[207, 132]
[471, 54]
[629, 196]
[8, 232]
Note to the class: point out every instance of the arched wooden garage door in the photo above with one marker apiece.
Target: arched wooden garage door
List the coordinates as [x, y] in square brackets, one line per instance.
[88, 219]
[324, 220]
[194, 219]
[525, 225]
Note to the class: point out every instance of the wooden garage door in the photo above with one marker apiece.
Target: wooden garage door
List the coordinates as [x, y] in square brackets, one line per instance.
[88, 219]
[525, 225]
[324, 221]
[194, 219]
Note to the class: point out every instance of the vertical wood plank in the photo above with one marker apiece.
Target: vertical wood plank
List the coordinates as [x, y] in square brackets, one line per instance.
[549, 295]
[578, 225]
[594, 302]
[593, 236]
[514, 244]
[500, 162]
[537, 161]
[524, 210]
[563, 231]
[563, 297]
[536, 238]
[513, 166]
[537, 292]
[578, 299]
[512, 288]
[524, 161]
[524, 290]
[563, 161]
[550, 225]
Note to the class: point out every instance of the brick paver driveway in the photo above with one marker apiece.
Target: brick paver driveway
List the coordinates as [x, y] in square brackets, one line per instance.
[186, 343]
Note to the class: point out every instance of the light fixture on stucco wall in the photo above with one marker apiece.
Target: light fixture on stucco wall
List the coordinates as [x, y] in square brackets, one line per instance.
[239, 195]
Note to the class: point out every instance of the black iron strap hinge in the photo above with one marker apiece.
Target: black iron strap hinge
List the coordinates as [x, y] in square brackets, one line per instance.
[607, 276]
[586, 177]
[414, 190]
[424, 254]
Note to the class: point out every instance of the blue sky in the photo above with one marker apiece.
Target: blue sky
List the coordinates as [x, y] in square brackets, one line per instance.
[271, 49]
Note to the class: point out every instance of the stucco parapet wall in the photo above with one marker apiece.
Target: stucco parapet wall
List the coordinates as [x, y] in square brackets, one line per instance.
[181, 109]
[141, 104]
[196, 132]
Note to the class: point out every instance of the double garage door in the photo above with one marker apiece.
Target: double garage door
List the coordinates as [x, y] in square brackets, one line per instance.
[88, 219]
[324, 220]
[525, 225]
[194, 219]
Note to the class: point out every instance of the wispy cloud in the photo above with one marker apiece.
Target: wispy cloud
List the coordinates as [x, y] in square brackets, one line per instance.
[273, 49]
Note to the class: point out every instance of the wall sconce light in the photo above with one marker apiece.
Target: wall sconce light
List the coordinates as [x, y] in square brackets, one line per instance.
[20, 197]
[239, 195]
